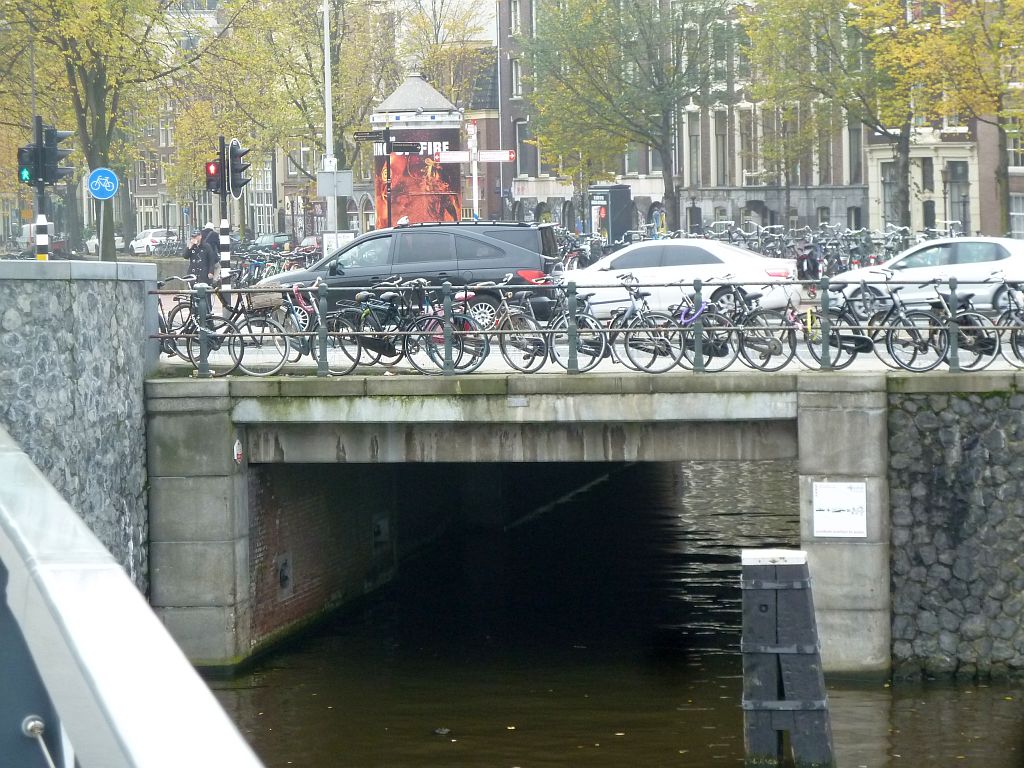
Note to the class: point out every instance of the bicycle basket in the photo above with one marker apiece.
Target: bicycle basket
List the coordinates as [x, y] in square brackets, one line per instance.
[263, 301]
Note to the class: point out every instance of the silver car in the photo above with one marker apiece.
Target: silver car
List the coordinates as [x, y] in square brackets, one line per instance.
[979, 265]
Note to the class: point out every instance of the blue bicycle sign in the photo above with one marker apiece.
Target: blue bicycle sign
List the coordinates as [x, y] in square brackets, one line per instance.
[103, 183]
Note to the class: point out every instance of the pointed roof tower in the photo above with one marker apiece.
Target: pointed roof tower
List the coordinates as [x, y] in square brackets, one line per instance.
[416, 103]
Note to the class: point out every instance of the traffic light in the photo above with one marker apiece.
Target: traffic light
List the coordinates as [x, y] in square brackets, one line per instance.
[53, 155]
[214, 179]
[236, 168]
[29, 170]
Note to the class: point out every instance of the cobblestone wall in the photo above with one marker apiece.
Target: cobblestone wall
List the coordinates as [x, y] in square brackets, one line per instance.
[72, 364]
[957, 502]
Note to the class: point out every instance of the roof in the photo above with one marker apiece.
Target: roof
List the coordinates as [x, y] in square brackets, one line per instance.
[415, 93]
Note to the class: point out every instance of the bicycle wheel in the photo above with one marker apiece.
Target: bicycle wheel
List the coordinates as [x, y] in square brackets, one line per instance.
[977, 342]
[343, 346]
[590, 342]
[1011, 338]
[225, 349]
[179, 320]
[522, 343]
[379, 344]
[877, 332]
[474, 344]
[653, 342]
[917, 341]
[842, 348]
[295, 321]
[265, 348]
[719, 344]
[1013, 348]
[767, 341]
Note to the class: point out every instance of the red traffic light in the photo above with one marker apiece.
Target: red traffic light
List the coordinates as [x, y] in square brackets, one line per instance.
[212, 169]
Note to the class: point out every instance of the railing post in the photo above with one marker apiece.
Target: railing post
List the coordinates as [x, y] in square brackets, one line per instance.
[321, 331]
[446, 301]
[953, 352]
[826, 327]
[698, 323]
[203, 330]
[573, 329]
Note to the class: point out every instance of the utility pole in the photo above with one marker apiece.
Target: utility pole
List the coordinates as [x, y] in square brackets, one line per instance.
[330, 161]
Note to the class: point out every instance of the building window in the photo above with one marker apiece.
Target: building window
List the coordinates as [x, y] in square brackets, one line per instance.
[525, 165]
[856, 138]
[517, 78]
[654, 161]
[927, 174]
[693, 147]
[631, 165]
[959, 190]
[1014, 143]
[515, 17]
[721, 149]
[824, 215]
[748, 155]
[825, 146]
[890, 213]
[1017, 216]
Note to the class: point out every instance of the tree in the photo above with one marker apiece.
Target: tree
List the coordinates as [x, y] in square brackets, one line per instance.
[858, 56]
[792, 131]
[445, 41]
[607, 73]
[107, 51]
[970, 58]
[273, 59]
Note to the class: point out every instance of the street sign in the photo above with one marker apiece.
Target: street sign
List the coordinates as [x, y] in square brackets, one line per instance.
[405, 146]
[334, 183]
[103, 183]
[496, 156]
[368, 135]
[452, 156]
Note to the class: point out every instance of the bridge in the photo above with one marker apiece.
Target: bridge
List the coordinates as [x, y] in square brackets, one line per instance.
[211, 494]
[217, 575]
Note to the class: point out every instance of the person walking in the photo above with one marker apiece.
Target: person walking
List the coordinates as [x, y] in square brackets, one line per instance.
[203, 261]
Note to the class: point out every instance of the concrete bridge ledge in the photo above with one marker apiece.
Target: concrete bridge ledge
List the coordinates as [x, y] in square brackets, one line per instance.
[946, 382]
[189, 388]
[834, 381]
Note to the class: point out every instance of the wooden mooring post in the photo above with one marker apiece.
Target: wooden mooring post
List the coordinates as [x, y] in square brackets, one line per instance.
[783, 685]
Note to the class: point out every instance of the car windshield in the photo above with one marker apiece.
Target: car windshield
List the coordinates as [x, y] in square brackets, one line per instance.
[264, 240]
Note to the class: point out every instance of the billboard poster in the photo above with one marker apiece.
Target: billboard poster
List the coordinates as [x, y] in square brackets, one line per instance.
[421, 189]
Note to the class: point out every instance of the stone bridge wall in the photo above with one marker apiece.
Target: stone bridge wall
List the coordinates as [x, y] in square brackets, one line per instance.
[73, 358]
[956, 486]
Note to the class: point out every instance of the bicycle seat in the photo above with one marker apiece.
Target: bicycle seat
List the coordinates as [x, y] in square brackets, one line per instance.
[754, 296]
[389, 296]
[363, 296]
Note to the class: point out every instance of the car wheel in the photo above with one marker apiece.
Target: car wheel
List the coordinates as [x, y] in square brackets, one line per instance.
[725, 297]
[131, 251]
[865, 302]
[1000, 300]
[484, 309]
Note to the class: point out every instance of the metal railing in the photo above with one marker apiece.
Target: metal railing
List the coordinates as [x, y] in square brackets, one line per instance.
[115, 689]
[829, 332]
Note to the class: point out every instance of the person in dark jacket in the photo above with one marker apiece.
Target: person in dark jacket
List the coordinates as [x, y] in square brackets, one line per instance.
[203, 261]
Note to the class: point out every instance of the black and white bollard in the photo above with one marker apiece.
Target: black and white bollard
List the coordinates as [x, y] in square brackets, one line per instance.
[783, 684]
[42, 239]
[225, 254]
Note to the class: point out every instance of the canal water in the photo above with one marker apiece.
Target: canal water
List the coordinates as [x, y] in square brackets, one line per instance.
[602, 633]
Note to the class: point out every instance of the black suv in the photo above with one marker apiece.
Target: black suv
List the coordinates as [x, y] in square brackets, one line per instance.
[461, 254]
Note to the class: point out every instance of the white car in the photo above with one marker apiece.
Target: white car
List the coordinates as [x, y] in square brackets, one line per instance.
[978, 264]
[148, 239]
[667, 268]
[92, 244]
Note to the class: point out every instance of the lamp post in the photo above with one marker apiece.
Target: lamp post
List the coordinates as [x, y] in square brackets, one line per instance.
[944, 173]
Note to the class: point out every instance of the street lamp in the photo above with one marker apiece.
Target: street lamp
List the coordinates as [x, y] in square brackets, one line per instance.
[944, 173]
